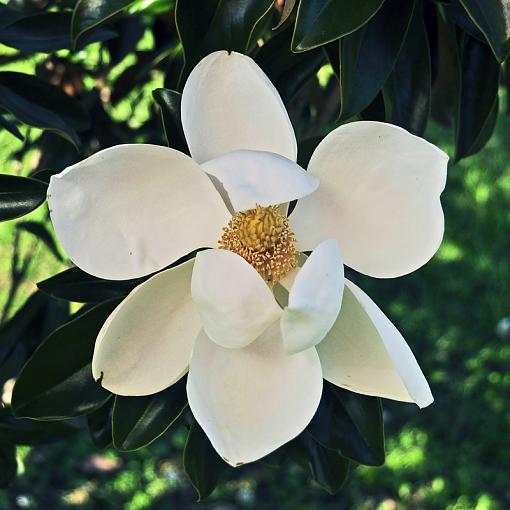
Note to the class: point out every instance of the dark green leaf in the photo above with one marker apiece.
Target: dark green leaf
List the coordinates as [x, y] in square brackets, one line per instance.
[288, 7]
[478, 98]
[367, 56]
[306, 148]
[174, 71]
[288, 71]
[32, 432]
[431, 21]
[493, 18]
[456, 14]
[8, 15]
[28, 315]
[57, 381]
[169, 102]
[407, 92]
[350, 424]
[326, 467]
[138, 421]
[12, 330]
[38, 316]
[11, 127]
[40, 231]
[89, 14]
[136, 74]
[321, 21]
[8, 464]
[202, 464]
[44, 175]
[99, 423]
[42, 105]
[216, 25]
[153, 6]
[19, 196]
[130, 30]
[75, 285]
[375, 110]
[45, 32]
[47, 96]
[57, 153]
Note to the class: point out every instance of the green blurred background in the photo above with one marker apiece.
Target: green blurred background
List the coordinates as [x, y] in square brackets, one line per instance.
[454, 454]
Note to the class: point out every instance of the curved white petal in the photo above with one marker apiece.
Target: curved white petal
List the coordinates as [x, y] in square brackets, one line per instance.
[234, 302]
[145, 344]
[251, 401]
[378, 195]
[314, 299]
[131, 210]
[364, 352]
[253, 178]
[228, 103]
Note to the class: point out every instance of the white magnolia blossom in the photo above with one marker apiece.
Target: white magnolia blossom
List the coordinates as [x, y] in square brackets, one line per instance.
[370, 199]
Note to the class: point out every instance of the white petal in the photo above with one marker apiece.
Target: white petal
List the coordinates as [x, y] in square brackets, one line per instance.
[145, 345]
[253, 178]
[234, 302]
[314, 299]
[378, 195]
[131, 210]
[364, 352]
[228, 103]
[251, 401]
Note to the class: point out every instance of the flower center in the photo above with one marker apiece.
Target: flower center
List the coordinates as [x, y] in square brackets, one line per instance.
[263, 238]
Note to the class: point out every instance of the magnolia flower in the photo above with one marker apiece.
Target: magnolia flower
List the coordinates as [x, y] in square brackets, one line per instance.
[255, 325]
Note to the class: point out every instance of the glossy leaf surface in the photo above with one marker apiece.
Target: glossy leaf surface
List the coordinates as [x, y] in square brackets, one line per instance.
[407, 93]
[40, 104]
[32, 432]
[493, 18]
[202, 464]
[216, 25]
[367, 56]
[76, 285]
[321, 21]
[478, 98]
[326, 467]
[64, 389]
[99, 423]
[19, 196]
[138, 421]
[351, 424]
[89, 14]
[169, 102]
[45, 32]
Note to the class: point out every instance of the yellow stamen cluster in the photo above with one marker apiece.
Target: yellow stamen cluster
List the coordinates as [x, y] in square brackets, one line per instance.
[263, 238]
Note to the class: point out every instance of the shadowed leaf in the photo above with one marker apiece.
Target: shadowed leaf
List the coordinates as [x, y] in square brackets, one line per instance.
[169, 102]
[202, 464]
[351, 424]
[326, 467]
[138, 421]
[75, 285]
[493, 18]
[61, 365]
[478, 98]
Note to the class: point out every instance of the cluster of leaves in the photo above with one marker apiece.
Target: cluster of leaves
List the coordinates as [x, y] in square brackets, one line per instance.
[394, 60]
[56, 384]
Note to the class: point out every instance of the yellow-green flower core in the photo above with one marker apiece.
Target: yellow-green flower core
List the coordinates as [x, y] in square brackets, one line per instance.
[263, 238]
